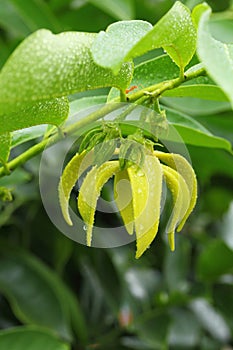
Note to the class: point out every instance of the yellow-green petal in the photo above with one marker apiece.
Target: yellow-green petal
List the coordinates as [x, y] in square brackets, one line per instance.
[183, 167]
[146, 185]
[90, 192]
[181, 200]
[73, 170]
[123, 199]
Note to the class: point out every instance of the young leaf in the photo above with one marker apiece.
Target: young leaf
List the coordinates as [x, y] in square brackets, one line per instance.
[45, 66]
[111, 47]
[90, 192]
[216, 56]
[175, 32]
[5, 144]
[15, 116]
[31, 338]
[146, 184]
[123, 199]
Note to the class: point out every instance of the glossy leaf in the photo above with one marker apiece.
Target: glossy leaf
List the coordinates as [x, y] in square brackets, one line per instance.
[5, 144]
[192, 132]
[30, 338]
[216, 56]
[111, 47]
[45, 66]
[146, 185]
[120, 9]
[174, 32]
[206, 92]
[23, 115]
[27, 134]
[32, 293]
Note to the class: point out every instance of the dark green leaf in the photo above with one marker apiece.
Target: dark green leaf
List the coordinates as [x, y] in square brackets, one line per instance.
[119, 9]
[215, 260]
[35, 14]
[32, 293]
[192, 132]
[211, 319]
[30, 338]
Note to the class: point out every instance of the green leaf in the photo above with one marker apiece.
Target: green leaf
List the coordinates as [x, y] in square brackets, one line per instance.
[30, 338]
[5, 144]
[45, 66]
[11, 22]
[175, 32]
[34, 292]
[21, 136]
[215, 260]
[111, 47]
[119, 9]
[216, 56]
[192, 132]
[35, 14]
[53, 111]
[206, 92]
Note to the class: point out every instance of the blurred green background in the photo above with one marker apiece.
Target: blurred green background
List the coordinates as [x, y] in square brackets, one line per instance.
[104, 298]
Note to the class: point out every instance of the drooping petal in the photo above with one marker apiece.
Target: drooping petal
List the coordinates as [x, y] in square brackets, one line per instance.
[183, 167]
[123, 199]
[146, 184]
[90, 192]
[73, 170]
[181, 200]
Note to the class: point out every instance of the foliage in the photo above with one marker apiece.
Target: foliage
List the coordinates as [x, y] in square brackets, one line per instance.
[64, 295]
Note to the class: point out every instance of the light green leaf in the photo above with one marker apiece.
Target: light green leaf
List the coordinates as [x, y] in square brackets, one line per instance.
[34, 292]
[111, 47]
[30, 338]
[46, 66]
[53, 111]
[175, 32]
[206, 92]
[35, 14]
[216, 56]
[119, 9]
[5, 144]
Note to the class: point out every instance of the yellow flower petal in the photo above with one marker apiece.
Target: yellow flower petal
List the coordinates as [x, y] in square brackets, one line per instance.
[73, 170]
[90, 192]
[182, 166]
[181, 200]
[123, 199]
[146, 184]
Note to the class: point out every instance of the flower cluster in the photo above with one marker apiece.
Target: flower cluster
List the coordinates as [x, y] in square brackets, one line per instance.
[137, 192]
